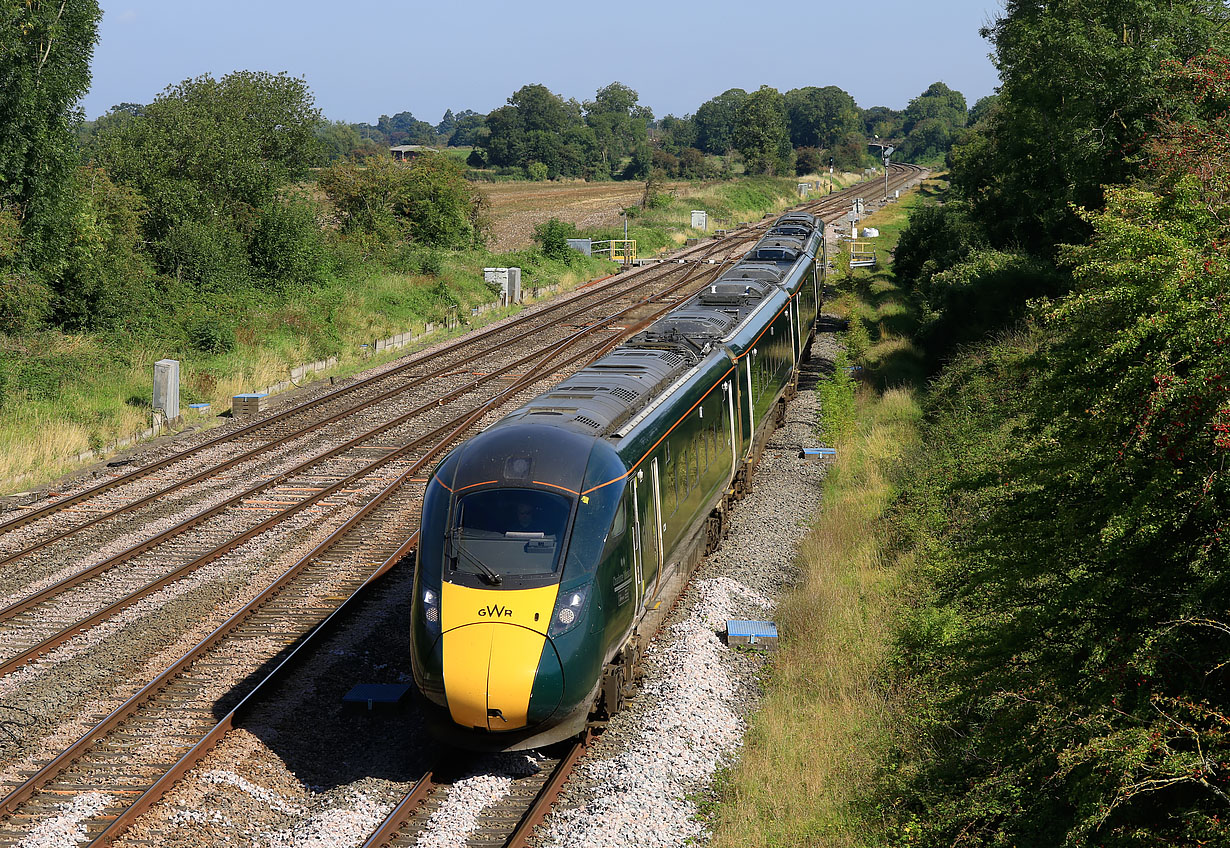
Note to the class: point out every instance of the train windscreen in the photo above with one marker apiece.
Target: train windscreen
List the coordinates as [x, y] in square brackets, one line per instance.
[503, 531]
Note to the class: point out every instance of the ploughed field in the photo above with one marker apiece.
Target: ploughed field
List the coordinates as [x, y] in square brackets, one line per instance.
[516, 208]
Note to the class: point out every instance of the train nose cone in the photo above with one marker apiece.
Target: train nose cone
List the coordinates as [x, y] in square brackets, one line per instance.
[493, 642]
[489, 672]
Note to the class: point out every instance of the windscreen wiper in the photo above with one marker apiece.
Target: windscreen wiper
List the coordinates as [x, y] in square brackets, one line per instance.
[488, 573]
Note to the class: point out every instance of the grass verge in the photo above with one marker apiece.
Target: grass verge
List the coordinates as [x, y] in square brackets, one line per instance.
[814, 752]
[61, 394]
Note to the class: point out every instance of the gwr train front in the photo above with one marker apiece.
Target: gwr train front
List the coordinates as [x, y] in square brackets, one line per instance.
[508, 632]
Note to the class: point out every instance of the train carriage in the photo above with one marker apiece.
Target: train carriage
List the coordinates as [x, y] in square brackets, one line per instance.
[549, 540]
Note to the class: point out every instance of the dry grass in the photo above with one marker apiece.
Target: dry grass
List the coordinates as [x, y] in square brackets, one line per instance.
[517, 207]
[813, 748]
[808, 774]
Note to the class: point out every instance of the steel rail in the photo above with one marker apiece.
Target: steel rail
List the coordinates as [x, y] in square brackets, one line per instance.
[611, 281]
[66, 633]
[126, 711]
[549, 794]
[386, 835]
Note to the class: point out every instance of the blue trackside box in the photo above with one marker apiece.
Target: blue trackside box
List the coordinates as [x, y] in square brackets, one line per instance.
[760, 633]
[818, 453]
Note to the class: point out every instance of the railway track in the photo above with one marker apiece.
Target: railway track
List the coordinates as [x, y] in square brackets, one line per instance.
[33, 622]
[49, 617]
[126, 755]
[507, 823]
[178, 709]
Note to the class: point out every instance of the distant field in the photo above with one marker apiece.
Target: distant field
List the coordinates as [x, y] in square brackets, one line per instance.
[517, 207]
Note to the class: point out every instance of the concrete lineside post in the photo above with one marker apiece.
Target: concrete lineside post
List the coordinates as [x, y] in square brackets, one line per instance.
[166, 389]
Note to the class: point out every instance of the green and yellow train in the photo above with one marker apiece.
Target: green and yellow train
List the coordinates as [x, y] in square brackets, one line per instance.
[553, 542]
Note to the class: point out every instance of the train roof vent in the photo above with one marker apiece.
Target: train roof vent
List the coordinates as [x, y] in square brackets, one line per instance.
[798, 216]
[589, 422]
[552, 410]
[690, 323]
[775, 253]
[801, 230]
[753, 272]
[672, 358]
[623, 394]
[732, 292]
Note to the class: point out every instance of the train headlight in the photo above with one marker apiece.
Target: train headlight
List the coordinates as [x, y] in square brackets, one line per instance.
[569, 609]
[431, 610]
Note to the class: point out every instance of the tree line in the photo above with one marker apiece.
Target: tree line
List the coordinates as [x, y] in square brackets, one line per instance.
[539, 134]
[215, 188]
[1064, 653]
[239, 183]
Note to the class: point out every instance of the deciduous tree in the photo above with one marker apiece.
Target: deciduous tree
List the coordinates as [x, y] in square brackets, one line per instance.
[715, 122]
[761, 134]
[821, 117]
[45, 51]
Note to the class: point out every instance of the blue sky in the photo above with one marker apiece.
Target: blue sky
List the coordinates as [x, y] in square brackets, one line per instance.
[363, 58]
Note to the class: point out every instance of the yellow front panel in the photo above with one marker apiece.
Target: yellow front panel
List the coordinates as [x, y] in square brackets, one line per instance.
[532, 608]
[467, 657]
[492, 642]
[515, 653]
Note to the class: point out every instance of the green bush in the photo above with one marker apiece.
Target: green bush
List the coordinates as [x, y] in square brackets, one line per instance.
[552, 238]
[836, 396]
[25, 303]
[287, 247]
[981, 296]
[210, 256]
[431, 262]
[427, 200]
[208, 335]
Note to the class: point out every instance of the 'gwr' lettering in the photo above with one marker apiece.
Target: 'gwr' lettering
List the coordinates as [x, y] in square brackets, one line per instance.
[495, 611]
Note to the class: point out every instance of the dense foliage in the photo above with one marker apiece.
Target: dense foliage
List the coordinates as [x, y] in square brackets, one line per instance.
[1083, 84]
[1067, 646]
[45, 51]
[540, 135]
[426, 200]
[211, 147]
[1072, 514]
[607, 137]
[761, 133]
